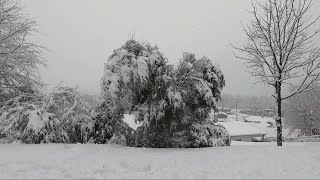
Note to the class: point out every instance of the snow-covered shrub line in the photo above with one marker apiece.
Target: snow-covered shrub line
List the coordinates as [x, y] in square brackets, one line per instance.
[59, 117]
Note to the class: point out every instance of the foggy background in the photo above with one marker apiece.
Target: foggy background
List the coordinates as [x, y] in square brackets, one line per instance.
[81, 34]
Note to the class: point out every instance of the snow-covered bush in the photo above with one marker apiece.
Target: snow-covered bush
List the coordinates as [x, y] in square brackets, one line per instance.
[154, 136]
[207, 134]
[60, 117]
[15, 114]
[65, 104]
[204, 134]
[315, 138]
[118, 139]
[108, 125]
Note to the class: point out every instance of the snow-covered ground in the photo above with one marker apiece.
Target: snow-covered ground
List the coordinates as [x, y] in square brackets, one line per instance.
[241, 160]
[264, 124]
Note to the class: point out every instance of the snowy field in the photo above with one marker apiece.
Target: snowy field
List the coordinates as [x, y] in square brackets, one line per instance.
[241, 160]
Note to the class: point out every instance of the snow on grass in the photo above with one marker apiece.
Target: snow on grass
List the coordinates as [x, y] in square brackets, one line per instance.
[238, 128]
[243, 160]
[265, 124]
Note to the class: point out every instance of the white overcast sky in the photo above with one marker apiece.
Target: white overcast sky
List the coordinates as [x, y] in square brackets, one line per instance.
[81, 34]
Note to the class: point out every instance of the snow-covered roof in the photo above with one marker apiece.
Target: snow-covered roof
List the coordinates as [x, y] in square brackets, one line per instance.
[260, 119]
[238, 128]
[223, 113]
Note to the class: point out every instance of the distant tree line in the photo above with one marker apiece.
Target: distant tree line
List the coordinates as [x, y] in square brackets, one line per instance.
[247, 102]
[303, 112]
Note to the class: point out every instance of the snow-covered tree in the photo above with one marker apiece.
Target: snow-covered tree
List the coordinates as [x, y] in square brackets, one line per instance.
[193, 90]
[280, 51]
[131, 81]
[165, 100]
[60, 117]
[19, 57]
[64, 104]
[14, 116]
[199, 83]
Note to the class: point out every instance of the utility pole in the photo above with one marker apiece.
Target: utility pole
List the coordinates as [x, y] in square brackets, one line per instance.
[236, 108]
[303, 115]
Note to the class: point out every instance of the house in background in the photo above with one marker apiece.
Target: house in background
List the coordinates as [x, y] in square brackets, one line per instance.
[225, 110]
[222, 115]
[215, 116]
[268, 113]
[242, 131]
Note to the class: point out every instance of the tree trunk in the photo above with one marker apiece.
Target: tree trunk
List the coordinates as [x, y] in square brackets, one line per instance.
[278, 119]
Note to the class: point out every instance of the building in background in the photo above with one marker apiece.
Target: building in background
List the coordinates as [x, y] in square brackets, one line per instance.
[241, 131]
[222, 115]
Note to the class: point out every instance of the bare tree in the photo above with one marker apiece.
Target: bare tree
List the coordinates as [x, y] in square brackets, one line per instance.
[19, 57]
[280, 49]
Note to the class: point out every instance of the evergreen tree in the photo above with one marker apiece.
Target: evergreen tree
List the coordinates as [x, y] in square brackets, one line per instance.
[168, 102]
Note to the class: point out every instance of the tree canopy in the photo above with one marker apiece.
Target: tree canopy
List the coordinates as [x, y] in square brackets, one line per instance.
[168, 101]
[19, 57]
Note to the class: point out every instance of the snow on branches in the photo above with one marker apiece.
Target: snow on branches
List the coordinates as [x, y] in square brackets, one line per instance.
[131, 74]
[132, 81]
[200, 83]
[207, 134]
[127, 65]
[167, 100]
[20, 57]
[58, 117]
[66, 105]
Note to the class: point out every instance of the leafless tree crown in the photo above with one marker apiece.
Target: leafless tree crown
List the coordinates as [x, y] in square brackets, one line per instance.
[280, 44]
[19, 57]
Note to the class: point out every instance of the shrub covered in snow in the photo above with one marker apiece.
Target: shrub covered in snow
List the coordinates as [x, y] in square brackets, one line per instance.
[118, 139]
[65, 104]
[109, 125]
[204, 134]
[14, 116]
[207, 134]
[60, 117]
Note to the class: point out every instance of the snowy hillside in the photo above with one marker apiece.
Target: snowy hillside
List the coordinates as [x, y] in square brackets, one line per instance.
[242, 160]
